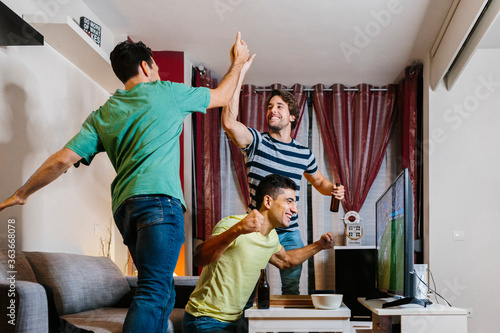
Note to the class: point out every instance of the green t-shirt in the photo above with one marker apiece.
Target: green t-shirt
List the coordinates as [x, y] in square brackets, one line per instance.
[139, 130]
[226, 284]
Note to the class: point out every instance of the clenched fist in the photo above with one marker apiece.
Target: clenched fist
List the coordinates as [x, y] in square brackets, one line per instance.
[326, 241]
[252, 222]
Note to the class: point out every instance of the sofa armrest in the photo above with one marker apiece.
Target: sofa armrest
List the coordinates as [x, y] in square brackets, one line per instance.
[132, 281]
[184, 286]
[31, 309]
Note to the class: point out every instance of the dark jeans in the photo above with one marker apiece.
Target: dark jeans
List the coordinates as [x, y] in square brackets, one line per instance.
[192, 324]
[152, 227]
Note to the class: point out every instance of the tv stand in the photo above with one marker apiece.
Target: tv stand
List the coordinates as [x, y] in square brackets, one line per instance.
[377, 295]
[407, 300]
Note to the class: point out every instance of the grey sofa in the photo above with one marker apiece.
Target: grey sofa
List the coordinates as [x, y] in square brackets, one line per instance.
[89, 292]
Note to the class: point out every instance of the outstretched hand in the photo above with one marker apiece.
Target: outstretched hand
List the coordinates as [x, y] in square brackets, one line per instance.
[326, 241]
[247, 64]
[12, 201]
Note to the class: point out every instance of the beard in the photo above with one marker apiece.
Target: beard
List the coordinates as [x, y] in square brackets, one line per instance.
[276, 127]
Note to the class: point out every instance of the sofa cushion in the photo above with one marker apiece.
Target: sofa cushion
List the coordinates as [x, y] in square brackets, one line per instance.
[106, 320]
[31, 308]
[176, 319]
[80, 282]
[21, 266]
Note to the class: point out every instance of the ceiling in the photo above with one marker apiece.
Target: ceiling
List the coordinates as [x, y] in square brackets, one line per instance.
[307, 42]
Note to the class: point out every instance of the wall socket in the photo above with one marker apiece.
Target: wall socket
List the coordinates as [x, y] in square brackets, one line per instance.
[421, 279]
[469, 312]
[97, 229]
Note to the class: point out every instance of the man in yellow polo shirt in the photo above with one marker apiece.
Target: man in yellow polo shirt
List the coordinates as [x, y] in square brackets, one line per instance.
[240, 246]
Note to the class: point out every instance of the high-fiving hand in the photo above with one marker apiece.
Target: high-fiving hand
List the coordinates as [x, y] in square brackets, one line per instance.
[239, 53]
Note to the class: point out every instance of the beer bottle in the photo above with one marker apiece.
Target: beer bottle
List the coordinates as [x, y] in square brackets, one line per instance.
[263, 291]
[334, 206]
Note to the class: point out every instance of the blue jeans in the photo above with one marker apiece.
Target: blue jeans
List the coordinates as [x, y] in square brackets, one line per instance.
[192, 324]
[290, 277]
[152, 227]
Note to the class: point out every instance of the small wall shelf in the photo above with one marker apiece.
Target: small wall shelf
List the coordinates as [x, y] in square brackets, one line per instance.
[66, 36]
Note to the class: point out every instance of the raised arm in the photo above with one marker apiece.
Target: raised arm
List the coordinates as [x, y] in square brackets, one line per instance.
[221, 95]
[286, 259]
[211, 249]
[237, 131]
[50, 170]
[324, 186]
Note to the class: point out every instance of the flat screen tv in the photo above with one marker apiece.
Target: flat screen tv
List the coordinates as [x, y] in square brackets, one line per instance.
[395, 242]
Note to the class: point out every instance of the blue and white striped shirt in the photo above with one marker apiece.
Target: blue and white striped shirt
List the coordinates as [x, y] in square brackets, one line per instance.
[266, 155]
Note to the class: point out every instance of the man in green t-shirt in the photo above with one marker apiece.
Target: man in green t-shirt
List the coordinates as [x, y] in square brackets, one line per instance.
[240, 246]
[139, 128]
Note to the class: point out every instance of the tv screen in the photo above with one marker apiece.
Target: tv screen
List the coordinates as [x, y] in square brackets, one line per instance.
[394, 223]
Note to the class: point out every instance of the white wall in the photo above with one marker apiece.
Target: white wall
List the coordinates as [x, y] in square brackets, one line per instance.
[43, 101]
[464, 182]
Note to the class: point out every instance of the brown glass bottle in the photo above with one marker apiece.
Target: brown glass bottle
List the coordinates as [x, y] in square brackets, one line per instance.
[263, 291]
[334, 206]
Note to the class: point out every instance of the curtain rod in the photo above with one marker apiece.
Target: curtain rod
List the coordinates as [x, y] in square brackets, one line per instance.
[326, 89]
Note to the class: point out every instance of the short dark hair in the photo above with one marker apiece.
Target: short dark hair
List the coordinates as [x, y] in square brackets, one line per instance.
[126, 58]
[290, 100]
[272, 185]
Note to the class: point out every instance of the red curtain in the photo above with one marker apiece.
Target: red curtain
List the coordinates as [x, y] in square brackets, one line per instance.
[410, 137]
[206, 132]
[355, 127]
[252, 113]
[171, 68]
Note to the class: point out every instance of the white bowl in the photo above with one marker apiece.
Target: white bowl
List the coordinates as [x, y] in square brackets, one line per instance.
[326, 301]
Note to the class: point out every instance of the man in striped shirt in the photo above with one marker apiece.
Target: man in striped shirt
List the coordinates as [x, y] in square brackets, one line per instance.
[276, 152]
